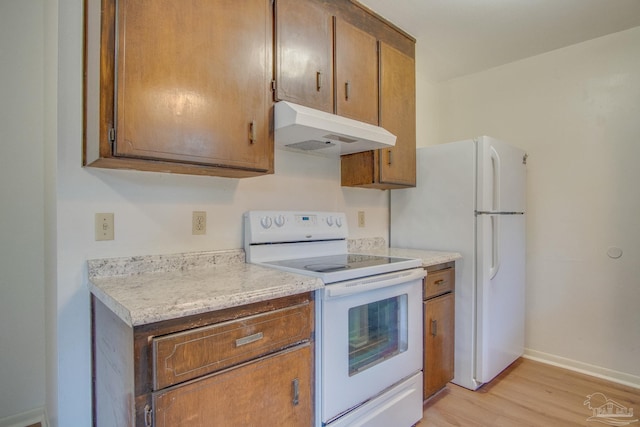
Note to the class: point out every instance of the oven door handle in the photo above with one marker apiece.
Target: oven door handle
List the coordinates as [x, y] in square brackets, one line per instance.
[375, 282]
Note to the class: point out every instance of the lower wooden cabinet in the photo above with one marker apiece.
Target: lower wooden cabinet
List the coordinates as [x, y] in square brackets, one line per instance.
[439, 339]
[272, 391]
[244, 366]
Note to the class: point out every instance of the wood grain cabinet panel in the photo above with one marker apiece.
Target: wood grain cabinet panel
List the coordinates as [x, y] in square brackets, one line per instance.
[439, 343]
[275, 391]
[356, 73]
[439, 282]
[398, 116]
[395, 167]
[439, 327]
[186, 87]
[304, 54]
[186, 355]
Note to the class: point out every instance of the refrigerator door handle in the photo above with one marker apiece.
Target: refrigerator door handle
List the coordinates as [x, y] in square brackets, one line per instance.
[495, 246]
[495, 165]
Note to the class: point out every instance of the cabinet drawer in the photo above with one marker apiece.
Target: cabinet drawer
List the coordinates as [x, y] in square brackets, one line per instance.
[186, 355]
[439, 282]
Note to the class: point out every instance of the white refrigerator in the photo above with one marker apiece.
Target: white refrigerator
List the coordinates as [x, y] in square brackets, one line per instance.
[470, 198]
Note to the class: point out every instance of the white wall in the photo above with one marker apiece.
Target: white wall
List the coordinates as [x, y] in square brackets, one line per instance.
[153, 215]
[577, 113]
[427, 101]
[22, 330]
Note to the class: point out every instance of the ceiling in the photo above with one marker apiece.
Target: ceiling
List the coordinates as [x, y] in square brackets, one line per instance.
[466, 36]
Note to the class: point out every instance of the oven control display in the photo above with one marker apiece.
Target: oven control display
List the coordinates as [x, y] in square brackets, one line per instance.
[306, 220]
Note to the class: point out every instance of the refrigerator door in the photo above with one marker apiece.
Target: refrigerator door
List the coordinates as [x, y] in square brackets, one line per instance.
[500, 301]
[501, 176]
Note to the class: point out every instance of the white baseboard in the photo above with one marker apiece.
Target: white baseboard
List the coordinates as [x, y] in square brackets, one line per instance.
[584, 368]
[38, 415]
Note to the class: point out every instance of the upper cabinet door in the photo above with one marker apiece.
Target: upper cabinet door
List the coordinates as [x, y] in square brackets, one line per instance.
[356, 71]
[193, 82]
[304, 54]
[398, 116]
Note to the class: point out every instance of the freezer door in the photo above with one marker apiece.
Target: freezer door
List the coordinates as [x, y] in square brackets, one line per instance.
[501, 181]
[500, 300]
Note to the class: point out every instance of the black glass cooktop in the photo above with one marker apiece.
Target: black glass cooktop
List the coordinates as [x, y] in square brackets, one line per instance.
[333, 263]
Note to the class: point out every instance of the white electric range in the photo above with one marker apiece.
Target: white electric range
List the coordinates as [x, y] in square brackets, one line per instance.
[368, 317]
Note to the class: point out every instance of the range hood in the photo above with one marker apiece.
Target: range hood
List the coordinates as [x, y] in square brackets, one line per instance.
[302, 128]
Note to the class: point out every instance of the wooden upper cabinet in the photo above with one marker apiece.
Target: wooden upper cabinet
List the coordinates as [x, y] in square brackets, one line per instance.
[395, 167]
[356, 73]
[192, 84]
[304, 54]
[398, 116]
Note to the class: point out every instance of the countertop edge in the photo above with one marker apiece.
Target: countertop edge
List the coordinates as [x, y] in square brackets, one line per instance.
[142, 317]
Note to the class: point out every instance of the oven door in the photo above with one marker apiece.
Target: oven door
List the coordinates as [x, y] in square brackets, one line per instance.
[370, 338]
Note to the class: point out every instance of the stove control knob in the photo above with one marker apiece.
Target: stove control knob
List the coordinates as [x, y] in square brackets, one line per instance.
[329, 221]
[279, 220]
[266, 222]
[339, 222]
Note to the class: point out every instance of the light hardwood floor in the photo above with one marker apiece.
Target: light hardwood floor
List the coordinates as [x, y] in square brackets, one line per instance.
[527, 393]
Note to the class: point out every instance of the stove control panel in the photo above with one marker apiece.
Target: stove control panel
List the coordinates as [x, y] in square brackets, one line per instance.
[293, 226]
[306, 220]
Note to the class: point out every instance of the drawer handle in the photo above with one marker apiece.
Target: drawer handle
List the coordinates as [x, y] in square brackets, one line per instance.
[439, 282]
[249, 339]
[434, 327]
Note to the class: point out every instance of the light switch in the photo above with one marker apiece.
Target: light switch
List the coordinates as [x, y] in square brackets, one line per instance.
[104, 226]
[361, 221]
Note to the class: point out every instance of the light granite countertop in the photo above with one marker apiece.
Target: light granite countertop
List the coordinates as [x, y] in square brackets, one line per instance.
[148, 289]
[428, 258]
[142, 290]
[378, 246]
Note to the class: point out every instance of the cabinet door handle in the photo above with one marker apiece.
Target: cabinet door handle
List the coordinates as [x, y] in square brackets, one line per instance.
[249, 339]
[296, 391]
[318, 81]
[148, 416]
[347, 90]
[434, 327]
[252, 132]
[390, 159]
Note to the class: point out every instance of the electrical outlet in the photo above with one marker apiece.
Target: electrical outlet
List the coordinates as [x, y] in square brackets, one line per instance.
[199, 222]
[104, 226]
[361, 221]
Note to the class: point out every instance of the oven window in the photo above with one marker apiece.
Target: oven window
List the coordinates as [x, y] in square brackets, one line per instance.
[377, 332]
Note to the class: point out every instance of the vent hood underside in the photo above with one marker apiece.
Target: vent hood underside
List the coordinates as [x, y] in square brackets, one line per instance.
[306, 129]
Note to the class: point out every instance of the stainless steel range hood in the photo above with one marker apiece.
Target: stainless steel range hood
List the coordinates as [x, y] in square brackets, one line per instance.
[306, 129]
